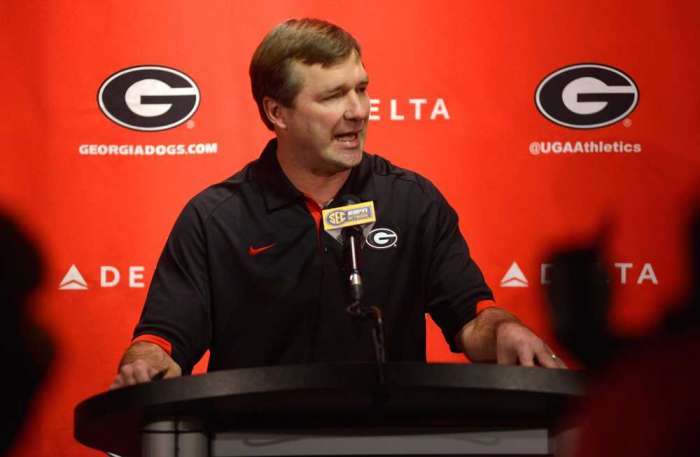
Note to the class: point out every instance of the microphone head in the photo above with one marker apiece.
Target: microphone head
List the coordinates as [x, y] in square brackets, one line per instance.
[353, 230]
[344, 200]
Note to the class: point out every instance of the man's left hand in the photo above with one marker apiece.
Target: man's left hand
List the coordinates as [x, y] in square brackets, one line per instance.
[496, 335]
[518, 345]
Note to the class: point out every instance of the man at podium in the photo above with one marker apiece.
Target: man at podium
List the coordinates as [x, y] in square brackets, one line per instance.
[256, 271]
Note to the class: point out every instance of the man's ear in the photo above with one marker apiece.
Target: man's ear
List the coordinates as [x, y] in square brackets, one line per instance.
[274, 111]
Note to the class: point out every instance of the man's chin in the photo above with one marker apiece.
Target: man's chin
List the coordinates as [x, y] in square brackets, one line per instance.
[349, 158]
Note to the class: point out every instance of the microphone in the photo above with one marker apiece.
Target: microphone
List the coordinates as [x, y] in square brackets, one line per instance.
[350, 214]
[351, 241]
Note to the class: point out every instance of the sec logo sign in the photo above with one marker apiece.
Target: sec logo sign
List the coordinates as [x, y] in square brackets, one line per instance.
[586, 96]
[148, 98]
[337, 218]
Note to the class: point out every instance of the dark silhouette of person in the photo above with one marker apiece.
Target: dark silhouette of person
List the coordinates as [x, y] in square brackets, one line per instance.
[26, 348]
[642, 399]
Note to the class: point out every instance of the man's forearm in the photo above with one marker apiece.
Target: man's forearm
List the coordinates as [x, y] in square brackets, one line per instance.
[478, 338]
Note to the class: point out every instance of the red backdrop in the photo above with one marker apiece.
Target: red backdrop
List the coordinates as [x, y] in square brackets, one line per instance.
[476, 65]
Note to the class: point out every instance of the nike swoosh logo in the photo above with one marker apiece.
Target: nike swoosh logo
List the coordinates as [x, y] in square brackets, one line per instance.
[255, 251]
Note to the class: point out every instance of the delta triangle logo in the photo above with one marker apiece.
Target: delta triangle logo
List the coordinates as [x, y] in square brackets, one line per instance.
[73, 280]
[514, 277]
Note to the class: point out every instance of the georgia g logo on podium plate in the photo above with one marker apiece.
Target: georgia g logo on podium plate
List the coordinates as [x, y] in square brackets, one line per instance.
[586, 96]
[148, 98]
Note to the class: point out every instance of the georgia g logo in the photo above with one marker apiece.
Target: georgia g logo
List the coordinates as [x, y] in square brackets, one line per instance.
[381, 238]
[148, 98]
[586, 96]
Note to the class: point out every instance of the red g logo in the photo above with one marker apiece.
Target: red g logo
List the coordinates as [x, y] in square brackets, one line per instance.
[148, 98]
[586, 96]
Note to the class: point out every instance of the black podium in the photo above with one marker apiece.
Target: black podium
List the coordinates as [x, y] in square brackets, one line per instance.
[335, 409]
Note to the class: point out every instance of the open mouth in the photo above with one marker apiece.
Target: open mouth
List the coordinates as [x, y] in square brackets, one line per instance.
[349, 137]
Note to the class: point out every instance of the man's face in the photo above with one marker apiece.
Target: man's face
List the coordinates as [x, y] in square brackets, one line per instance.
[327, 125]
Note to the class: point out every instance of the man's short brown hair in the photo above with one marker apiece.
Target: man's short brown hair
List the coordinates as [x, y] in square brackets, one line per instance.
[309, 41]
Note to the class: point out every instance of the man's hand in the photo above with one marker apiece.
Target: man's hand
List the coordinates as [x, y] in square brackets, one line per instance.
[143, 362]
[495, 335]
[517, 345]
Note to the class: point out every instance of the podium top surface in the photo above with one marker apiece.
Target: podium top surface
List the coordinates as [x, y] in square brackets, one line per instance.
[344, 395]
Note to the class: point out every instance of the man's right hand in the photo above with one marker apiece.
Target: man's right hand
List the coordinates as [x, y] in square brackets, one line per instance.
[142, 362]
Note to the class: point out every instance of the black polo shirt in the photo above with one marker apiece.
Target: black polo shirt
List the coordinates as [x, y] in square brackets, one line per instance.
[246, 274]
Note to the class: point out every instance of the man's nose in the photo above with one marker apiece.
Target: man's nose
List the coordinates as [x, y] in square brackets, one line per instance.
[357, 106]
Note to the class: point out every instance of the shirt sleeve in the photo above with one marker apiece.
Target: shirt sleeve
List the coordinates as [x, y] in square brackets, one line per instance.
[455, 284]
[177, 306]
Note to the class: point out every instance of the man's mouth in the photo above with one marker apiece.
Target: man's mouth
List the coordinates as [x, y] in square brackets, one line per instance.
[348, 137]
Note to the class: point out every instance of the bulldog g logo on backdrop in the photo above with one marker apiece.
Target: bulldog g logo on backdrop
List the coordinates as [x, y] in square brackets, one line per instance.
[586, 96]
[148, 98]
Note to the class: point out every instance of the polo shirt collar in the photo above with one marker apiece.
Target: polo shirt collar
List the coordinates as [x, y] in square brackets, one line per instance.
[279, 192]
[276, 188]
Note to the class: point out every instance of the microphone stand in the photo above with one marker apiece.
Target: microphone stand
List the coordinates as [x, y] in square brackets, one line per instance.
[358, 309]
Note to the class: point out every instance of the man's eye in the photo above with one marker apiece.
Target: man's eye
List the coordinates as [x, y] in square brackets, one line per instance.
[332, 96]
